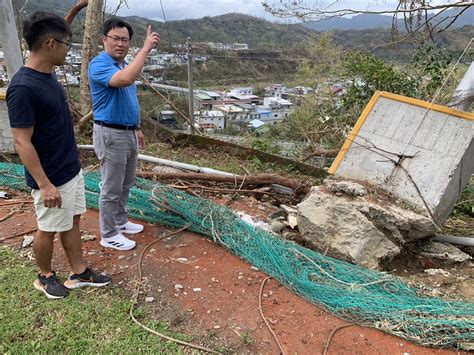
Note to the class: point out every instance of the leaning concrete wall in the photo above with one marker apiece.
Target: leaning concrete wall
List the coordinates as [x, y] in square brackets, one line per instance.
[436, 142]
[6, 139]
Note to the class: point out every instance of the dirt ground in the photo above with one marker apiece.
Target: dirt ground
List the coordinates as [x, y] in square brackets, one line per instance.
[203, 290]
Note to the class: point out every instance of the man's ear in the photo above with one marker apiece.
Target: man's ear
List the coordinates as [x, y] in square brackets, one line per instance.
[49, 43]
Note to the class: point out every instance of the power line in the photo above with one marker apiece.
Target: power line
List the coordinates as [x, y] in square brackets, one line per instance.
[166, 23]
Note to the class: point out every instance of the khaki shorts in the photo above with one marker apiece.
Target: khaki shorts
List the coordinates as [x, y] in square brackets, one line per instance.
[73, 204]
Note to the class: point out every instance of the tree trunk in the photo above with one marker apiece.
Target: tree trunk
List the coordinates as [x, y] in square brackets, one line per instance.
[9, 36]
[90, 48]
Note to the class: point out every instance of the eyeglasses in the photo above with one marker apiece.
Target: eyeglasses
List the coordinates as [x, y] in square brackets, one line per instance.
[68, 44]
[124, 40]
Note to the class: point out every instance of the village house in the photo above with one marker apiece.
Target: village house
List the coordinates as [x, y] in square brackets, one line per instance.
[210, 120]
[243, 94]
[275, 90]
[280, 109]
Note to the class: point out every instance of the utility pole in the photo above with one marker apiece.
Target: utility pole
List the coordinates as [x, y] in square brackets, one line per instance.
[190, 85]
[9, 38]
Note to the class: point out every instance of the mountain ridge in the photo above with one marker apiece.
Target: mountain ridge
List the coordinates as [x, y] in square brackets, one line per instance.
[258, 33]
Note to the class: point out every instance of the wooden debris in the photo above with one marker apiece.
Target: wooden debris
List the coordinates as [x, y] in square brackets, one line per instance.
[255, 180]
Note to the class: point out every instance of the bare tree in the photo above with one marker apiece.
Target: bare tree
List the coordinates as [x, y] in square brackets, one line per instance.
[90, 48]
[420, 16]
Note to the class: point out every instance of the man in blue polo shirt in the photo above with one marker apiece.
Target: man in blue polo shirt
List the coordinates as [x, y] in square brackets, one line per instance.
[116, 134]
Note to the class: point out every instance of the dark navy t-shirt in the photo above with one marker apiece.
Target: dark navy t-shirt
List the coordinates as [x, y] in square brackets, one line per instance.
[37, 100]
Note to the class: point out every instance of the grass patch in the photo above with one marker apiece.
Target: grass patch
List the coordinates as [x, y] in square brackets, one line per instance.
[88, 322]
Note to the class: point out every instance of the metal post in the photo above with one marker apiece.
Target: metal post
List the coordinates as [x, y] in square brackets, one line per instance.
[190, 85]
[9, 38]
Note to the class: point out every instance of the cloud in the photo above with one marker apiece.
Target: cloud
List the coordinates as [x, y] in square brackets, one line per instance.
[186, 9]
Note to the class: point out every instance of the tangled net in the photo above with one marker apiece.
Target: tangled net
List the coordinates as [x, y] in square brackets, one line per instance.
[353, 293]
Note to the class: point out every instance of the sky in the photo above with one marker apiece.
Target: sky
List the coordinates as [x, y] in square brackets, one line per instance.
[186, 9]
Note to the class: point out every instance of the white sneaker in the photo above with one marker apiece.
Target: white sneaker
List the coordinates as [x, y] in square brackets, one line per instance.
[118, 242]
[130, 228]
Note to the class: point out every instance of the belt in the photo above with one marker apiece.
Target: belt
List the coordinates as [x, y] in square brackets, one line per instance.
[116, 126]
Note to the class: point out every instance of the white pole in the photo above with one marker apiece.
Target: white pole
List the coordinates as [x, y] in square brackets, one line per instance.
[9, 38]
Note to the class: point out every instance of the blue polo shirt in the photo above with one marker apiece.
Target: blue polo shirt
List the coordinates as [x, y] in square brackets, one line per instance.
[112, 105]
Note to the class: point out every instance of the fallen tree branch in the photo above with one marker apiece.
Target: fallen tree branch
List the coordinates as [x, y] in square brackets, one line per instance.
[86, 118]
[236, 191]
[73, 11]
[257, 180]
[18, 235]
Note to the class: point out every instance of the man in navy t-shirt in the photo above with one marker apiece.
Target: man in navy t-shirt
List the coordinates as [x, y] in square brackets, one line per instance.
[43, 134]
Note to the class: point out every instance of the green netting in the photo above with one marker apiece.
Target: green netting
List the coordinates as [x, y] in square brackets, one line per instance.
[348, 291]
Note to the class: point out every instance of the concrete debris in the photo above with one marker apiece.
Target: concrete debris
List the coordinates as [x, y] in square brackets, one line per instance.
[178, 287]
[368, 233]
[276, 226]
[87, 237]
[260, 224]
[434, 272]
[347, 187]
[292, 220]
[149, 299]
[27, 241]
[444, 252]
[276, 214]
[289, 209]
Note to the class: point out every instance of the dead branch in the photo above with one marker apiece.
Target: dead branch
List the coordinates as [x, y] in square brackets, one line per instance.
[18, 234]
[235, 191]
[148, 84]
[75, 10]
[331, 153]
[86, 118]
[14, 202]
[256, 180]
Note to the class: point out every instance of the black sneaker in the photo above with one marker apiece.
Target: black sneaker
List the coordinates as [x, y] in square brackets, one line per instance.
[87, 278]
[51, 286]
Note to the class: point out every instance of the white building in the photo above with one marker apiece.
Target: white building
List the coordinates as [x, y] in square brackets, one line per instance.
[280, 108]
[241, 91]
[275, 90]
[211, 120]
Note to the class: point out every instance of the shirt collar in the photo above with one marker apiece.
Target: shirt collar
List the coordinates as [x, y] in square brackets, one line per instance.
[113, 61]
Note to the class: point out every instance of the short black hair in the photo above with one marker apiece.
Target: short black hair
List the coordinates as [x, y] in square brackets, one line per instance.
[42, 24]
[113, 22]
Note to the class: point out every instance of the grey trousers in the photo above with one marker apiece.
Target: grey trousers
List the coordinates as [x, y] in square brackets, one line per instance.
[117, 151]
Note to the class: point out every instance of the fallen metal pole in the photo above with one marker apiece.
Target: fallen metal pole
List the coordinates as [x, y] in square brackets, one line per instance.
[173, 164]
[466, 241]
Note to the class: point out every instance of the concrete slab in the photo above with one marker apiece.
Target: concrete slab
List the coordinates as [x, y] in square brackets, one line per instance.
[421, 152]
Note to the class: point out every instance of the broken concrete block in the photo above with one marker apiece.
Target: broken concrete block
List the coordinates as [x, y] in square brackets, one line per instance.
[421, 152]
[356, 230]
[276, 226]
[445, 252]
[27, 241]
[348, 187]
